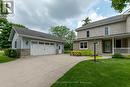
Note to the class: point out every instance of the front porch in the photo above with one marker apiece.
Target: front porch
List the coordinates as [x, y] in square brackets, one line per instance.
[116, 45]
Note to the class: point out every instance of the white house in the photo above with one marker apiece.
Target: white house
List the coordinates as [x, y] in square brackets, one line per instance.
[30, 42]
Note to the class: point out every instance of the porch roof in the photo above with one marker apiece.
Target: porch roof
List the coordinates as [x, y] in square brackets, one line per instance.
[122, 35]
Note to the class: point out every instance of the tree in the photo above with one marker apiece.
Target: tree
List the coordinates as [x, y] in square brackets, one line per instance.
[70, 39]
[5, 29]
[18, 25]
[119, 5]
[86, 21]
[60, 31]
[66, 34]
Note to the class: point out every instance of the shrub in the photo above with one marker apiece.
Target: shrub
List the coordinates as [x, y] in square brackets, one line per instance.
[12, 53]
[67, 51]
[127, 56]
[75, 53]
[82, 53]
[87, 52]
[117, 55]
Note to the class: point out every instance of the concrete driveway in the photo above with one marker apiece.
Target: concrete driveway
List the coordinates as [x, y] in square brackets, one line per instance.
[41, 71]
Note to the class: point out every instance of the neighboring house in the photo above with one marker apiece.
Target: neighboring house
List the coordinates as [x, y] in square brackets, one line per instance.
[111, 34]
[30, 42]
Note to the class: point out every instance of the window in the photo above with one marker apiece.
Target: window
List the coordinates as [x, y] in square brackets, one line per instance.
[59, 47]
[46, 43]
[15, 44]
[41, 42]
[107, 31]
[87, 33]
[83, 45]
[51, 43]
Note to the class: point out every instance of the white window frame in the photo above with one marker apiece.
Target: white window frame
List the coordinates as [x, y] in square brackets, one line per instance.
[108, 30]
[83, 46]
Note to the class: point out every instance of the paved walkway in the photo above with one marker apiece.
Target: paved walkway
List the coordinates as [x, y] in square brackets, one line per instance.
[41, 71]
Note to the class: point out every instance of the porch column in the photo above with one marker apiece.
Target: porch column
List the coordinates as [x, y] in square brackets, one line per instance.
[113, 43]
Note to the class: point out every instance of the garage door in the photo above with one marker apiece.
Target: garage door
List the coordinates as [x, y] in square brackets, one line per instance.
[50, 48]
[42, 48]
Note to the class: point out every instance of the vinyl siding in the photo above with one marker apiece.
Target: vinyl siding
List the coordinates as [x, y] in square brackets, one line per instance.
[115, 28]
[18, 39]
[76, 46]
[128, 24]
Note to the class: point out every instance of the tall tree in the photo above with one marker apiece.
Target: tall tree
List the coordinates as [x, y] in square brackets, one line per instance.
[119, 5]
[66, 34]
[60, 31]
[5, 29]
[86, 21]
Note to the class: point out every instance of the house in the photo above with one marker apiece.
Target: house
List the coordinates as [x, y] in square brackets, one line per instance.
[29, 42]
[112, 35]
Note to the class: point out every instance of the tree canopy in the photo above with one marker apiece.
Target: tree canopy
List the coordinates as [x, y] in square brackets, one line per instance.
[65, 33]
[5, 29]
[119, 5]
[60, 31]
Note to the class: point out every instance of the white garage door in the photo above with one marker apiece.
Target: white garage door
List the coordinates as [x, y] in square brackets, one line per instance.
[42, 48]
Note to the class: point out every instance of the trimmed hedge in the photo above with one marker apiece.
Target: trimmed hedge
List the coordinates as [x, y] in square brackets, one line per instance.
[118, 55]
[67, 52]
[12, 53]
[82, 53]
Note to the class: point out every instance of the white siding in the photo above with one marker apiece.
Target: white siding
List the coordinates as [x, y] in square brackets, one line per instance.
[18, 40]
[128, 24]
[24, 44]
[115, 28]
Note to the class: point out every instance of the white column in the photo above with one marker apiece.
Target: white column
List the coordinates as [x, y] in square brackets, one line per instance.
[113, 43]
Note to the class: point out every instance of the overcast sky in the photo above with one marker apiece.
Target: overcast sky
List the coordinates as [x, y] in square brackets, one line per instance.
[40, 15]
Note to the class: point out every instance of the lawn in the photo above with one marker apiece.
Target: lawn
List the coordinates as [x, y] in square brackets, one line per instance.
[3, 58]
[105, 73]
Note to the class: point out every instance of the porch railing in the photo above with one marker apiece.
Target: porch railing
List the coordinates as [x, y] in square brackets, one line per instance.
[122, 50]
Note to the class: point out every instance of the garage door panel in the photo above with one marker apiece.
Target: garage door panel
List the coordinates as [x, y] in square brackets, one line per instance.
[42, 49]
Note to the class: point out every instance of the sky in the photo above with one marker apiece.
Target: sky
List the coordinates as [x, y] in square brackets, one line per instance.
[41, 15]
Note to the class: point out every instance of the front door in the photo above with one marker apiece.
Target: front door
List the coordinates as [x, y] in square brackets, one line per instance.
[107, 46]
[60, 49]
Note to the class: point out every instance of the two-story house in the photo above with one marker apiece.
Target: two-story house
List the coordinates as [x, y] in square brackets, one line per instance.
[111, 34]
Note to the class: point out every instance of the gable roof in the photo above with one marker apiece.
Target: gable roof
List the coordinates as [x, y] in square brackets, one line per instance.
[106, 21]
[24, 32]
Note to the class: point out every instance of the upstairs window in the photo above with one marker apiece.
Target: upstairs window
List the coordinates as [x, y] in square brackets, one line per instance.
[87, 33]
[107, 31]
[83, 45]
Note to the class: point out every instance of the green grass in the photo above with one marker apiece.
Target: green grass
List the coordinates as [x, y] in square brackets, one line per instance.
[105, 73]
[4, 58]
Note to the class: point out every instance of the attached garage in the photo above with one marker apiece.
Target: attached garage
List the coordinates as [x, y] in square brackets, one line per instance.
[35, 43]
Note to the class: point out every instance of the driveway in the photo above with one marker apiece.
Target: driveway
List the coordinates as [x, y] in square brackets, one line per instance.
[41, 71]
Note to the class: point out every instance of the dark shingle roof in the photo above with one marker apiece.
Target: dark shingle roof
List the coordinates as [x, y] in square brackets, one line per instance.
[106, 21]
[28, 32]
